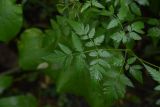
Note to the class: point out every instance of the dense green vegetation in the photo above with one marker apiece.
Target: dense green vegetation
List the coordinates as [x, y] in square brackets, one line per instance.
[81, 53]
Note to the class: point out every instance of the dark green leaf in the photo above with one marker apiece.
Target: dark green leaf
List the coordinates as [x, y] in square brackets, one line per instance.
[31, 49]
[91, 33]
[137, 27]
[10, 19]
[154, 73]
[131, 60]
[135, 9]
[77, 43]
[136, 73]
[123, 12]
[97, 4]
[89, 44]
[113, 23]
[98, 40]
[86, 6]
[56, 57]
[154, 32]
[5, 82]
[65, 49]
[19, 101]
[134, 36]
[77, 27]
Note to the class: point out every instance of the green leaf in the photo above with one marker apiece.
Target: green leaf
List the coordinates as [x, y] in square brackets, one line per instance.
[134, 36]
[96, 72]
[153, 21]
[93, 54]
[129, 28]
[5, 82]
[65, 49]
[131, 60]
[143, 2]
[114, 90]
[77, 43]
[154, 32]
[73, 75]
[19, 101]
[101, 62]
[85, 37]
[137, 27]
[56, 57]
[86, 6]
[89, 44]
[157, 88]
[91, 33]
[61, 8]
[31, 49]
[154, 73]
[104, 53]
[119, 36]
[77, 27]
[113, 23]
[10, 19]
[135, 9]
[87, 29]
[98, 40]
[123, 12]
[97, 4]
[158, 102]
[68, 62]
[136, 73]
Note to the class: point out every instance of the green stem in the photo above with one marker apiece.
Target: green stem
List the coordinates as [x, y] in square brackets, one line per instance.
[143, 61]
[13, 70]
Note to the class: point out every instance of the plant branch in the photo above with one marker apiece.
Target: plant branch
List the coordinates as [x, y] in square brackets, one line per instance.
[10, 71]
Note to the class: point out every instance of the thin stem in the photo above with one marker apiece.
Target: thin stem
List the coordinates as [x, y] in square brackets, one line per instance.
[13, 70]
[143, 61]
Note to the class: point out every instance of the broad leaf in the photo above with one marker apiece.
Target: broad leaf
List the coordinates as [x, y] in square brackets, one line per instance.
[31, 48]
[10, 19]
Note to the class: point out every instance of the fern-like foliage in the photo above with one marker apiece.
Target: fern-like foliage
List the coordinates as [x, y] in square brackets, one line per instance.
[90, 48]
